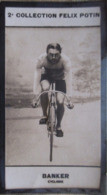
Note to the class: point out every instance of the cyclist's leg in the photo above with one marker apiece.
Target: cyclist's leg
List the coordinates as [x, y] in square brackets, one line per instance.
[45, 85]
[60, 109]
[60, 86]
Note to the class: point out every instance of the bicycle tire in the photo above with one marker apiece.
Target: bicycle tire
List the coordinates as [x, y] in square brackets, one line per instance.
[52, 119]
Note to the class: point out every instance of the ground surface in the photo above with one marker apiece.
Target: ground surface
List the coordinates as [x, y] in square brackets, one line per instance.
[27, 142]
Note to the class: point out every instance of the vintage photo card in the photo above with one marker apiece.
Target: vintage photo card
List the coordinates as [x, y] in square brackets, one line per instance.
[53, 66]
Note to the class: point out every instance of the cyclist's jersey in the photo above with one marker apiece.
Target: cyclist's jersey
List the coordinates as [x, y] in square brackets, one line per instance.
[54, 74]
[55, 71]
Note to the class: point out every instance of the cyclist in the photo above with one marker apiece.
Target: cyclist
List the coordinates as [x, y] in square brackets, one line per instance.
[53, 66]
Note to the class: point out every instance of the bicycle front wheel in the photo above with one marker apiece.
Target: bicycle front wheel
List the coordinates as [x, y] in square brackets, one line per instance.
[52, 125]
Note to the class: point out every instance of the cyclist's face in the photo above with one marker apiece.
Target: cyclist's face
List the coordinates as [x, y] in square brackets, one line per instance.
[53, 55]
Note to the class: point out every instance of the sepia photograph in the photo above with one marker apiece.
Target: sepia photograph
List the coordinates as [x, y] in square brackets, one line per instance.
[52, 96]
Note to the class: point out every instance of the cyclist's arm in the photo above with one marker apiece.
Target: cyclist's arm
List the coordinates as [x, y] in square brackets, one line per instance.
[37, 75]
[68, 75]
[36, 84]
[69, 83]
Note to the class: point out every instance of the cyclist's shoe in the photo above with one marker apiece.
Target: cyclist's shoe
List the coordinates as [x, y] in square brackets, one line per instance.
[59, 133]
[43, 121]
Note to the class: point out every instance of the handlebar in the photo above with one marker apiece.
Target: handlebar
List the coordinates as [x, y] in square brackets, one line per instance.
[70, 106]
[52, 91]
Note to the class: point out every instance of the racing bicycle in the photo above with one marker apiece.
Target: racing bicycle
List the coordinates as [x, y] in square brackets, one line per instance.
[52, 107]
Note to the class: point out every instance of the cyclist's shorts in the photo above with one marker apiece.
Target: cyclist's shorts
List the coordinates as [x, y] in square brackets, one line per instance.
[60, 84]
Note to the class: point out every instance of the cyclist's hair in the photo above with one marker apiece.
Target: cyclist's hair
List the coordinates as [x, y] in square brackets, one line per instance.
[54, 46]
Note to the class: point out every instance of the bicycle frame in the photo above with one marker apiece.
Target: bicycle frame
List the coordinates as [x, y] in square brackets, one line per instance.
[51, 124]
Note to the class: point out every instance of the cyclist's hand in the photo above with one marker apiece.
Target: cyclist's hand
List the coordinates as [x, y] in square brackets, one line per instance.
[34, 102]
[70, 106]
